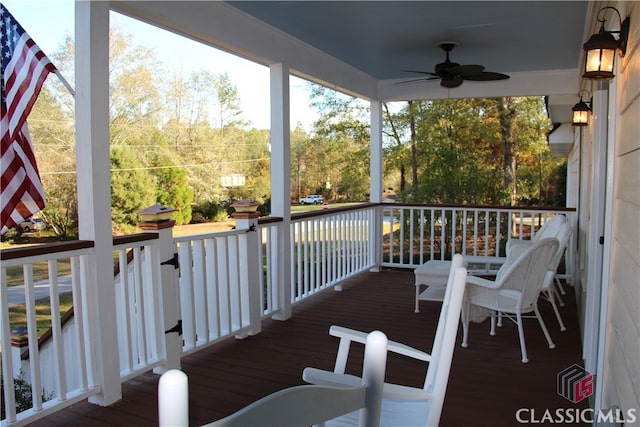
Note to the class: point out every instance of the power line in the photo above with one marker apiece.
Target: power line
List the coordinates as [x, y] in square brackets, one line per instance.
[191, 166]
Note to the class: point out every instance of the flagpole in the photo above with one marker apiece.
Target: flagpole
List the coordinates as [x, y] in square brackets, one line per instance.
[65, 83]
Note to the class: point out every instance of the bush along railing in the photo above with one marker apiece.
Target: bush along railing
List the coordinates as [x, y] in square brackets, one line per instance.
[420, 233]
[54, 369]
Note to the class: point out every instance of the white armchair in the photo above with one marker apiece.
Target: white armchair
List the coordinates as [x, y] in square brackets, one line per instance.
[548, 290]
[515, 290]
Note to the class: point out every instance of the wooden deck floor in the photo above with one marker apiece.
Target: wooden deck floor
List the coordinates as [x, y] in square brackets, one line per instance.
[487, 385]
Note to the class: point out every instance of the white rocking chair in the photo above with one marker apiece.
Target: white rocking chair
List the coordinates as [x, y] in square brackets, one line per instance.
[405, 405]
[299, 406]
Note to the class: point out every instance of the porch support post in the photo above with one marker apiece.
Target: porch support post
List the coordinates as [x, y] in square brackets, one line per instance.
[169, 294]
[250, 275]
[595, 230]
[375, 229]
[94, 192]
[281, 182]
[607, 173]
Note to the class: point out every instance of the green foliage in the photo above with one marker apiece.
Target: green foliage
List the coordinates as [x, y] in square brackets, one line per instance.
[172, 189]
[23, 394]
[456, 149]
[335, 161]
[132, 187]
[209, 211]
[174, 138]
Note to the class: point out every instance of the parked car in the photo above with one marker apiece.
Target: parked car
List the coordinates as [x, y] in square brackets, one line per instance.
[312, 199]
[32, 224]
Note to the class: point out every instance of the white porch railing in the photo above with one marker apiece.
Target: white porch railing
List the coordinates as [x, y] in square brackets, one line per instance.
[421, 233]
[328, 248]
[229, 281]
[214, 287]
[59, 371]
[138, 306]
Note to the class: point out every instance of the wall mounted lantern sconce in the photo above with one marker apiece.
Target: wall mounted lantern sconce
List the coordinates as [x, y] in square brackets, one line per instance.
[581, 111]
[601, 48]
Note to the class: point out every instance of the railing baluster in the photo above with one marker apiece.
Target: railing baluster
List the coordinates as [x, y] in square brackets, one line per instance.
[78, 314]
[141, 356]
[226, 309]
[200, 292]
[124, 309]
[56, 328]
[212, 289]
[32, 332]
[7, 373]
[186, 296]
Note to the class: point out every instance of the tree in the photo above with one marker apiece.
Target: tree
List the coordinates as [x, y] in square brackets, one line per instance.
[507, 112]
[54, 147]
[229, 110]
[462, 150]
[132, 187]
[340, 146]
[171, 188]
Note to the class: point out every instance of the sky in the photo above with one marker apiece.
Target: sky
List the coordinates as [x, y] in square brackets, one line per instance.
[49, 21]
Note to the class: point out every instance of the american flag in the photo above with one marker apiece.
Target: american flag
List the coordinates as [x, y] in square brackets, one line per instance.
[24, 69]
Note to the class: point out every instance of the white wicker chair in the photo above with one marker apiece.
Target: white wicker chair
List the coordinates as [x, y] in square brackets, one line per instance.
[548, 290]
[515, 290]
[405, 405]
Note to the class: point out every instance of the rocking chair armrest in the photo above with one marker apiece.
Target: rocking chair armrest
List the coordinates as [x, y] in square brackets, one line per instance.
[393, 346]
[328, 378]
[479, 281]
[390, 391]
[403, 392]
[405, 350]
[348, 333]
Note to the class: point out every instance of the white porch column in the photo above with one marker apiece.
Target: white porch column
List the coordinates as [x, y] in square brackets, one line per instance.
[596, 224]
[375, 177]
[94, 190]
[281, 182]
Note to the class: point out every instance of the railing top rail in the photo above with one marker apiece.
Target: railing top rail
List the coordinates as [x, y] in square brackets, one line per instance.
[331, 211]
[134, 238]
[482, 207]
[190, 237]
[44, 249]
[269, 220]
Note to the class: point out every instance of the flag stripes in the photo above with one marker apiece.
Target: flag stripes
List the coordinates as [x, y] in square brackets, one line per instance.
[24, 70]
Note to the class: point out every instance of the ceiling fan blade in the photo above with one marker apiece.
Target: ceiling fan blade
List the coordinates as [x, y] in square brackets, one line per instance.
[422, 79]
[468, 70]
[486, 76]
[421, 72]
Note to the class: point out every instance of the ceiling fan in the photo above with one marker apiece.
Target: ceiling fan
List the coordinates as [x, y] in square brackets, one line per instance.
[452, 74]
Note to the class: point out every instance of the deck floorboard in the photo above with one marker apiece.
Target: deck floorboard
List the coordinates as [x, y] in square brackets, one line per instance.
[487, 385]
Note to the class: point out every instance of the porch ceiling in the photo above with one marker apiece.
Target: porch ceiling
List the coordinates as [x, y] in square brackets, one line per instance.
[360, 47]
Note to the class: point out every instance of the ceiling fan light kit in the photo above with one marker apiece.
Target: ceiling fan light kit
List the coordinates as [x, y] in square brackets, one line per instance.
[452, 74]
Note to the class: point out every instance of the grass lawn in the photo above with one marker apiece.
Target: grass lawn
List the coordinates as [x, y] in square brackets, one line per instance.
[18, 313]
